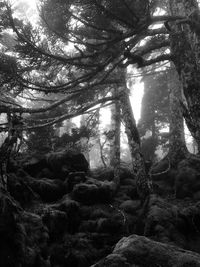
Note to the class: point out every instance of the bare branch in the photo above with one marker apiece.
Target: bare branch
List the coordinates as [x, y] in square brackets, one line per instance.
[38, 110]
[79, 112]
[155, 19]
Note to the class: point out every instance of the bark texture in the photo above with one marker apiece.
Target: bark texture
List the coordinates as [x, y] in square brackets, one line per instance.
[185, 48]
[115, 149]
[115, 141]
[142, 179]
[115, 128]
[177, 146]
[85, 140]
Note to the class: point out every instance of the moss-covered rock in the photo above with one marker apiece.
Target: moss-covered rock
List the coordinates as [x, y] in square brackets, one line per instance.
[130, 206]
[75, 250]
[47, 189]
[36, 240]
[143, 252]
[93, 191]
[55, 164]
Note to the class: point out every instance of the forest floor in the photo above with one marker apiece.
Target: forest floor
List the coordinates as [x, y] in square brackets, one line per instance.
[55, 212]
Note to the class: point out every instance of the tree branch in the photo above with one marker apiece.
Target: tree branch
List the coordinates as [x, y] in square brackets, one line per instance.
[4, 109]
[137, 59]
[72, 115]
[155, 19]
[160, 58]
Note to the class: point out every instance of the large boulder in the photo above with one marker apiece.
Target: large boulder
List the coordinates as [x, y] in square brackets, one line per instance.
[93, 191]
[130, 206]
[57, 164]
[161, 222]
[171, 221]
[66, 161]
[18, 187]
[48, 190]
[26, 189]
[74, 178]
[61, 217]
[187, 178]
[36, 252]
[12, 242]
[141, 251]
[34, 165]
[23, 236]
[108, 174]
[75, 251]
[186, 182]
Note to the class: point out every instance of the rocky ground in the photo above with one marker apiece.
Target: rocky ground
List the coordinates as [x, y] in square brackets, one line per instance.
[55, 212]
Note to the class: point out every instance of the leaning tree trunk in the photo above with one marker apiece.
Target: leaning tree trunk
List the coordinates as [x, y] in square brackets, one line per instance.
[177, 146]
[142, 179]
[115, 137]
[115, 140]
[85, 140]
[185, 48]
[99, 142]
[14, 133]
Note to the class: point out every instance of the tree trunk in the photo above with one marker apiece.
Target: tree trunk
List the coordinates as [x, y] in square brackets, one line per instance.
[115, 142]
[14, 133]
[115, 128]
[185, 49]
[142, 179]
[99, 142]
[177, 146]
[85, 140]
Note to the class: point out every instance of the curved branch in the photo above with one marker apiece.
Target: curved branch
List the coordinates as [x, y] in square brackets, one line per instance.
[153, 32]
[149, 62]
[155, 19]
[163, 172]
[160, 58]
[72, 115]
[72, 60]
[38, 110]
[112, 15]
[148, 48]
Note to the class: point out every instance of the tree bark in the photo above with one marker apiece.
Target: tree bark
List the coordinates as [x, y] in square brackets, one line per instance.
[14, 133]
[115, 142]
[142, 179]
[177, 146]
[185, 39]
[99, 142]
[85, 140]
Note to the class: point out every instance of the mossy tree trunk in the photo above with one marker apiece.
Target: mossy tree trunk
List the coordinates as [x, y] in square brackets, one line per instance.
[185, 48]
[142, 179]
[85, 140]
[99, 142]
[177, 145]
[115, 140]
[115, 128]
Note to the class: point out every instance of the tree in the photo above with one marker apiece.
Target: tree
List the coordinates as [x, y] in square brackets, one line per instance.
[160, 109]
[105, 36]
[154, 112]
[115, 138]
[40, 140]
[142, 179]
[177, 145]
[184, 38]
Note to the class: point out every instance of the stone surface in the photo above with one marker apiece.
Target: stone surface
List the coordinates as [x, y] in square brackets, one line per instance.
[130, 206]
[141, 251]
[56, 164]
[93, 192]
